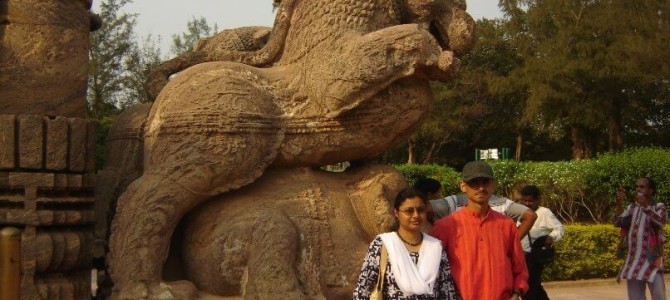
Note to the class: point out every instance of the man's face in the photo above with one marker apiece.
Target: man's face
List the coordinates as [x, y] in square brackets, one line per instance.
[530, 201]
[479, 190]
[642, 186]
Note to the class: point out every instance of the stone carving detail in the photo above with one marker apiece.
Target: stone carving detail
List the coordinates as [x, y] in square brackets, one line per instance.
[47, 186]
[336, 81]
[315, 227]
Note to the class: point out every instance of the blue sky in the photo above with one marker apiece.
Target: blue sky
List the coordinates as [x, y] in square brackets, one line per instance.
[167, 17]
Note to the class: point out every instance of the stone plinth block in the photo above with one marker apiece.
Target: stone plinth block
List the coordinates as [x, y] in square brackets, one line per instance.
[30, 142]
[56, 145]
[7, 143]
[47, 144]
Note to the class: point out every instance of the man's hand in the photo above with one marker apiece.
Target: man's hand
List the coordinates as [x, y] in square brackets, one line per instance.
[515, 295]
[527, 220]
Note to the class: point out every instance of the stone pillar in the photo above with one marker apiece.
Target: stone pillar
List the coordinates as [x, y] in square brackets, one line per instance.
[47, 146]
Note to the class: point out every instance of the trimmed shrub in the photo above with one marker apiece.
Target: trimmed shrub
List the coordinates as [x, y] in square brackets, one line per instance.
[576, 191]
[589, 251]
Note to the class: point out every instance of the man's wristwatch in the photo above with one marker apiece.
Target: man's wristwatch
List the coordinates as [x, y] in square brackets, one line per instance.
[516, 292]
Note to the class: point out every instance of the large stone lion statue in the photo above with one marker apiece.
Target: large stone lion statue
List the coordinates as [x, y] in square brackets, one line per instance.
[336, 80]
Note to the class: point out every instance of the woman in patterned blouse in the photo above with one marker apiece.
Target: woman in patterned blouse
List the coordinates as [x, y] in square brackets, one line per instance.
[418, 257]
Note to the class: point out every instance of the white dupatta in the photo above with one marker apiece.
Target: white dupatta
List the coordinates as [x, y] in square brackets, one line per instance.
[414, 279]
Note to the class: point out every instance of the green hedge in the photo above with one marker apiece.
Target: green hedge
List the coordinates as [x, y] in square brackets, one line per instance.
[577, 191]
[589, 251]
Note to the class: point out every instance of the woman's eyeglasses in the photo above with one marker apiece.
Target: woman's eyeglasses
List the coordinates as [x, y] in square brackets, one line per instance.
[411, 210]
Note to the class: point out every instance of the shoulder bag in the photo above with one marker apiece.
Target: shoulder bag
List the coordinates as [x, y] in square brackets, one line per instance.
[378, 293]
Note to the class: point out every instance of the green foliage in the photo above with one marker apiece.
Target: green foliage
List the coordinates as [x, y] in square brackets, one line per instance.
[447, 176]
[196, 29]
[589, 251]
[586, 251]
[142, 58]
[622, 169]
[576, 191]
[101, 135]
[109, 47]
[592, 66]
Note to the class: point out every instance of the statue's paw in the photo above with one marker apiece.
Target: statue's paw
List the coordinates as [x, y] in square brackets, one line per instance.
[131, 291]
[178, 290]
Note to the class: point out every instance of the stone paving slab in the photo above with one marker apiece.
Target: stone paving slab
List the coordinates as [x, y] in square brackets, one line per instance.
[593, 289]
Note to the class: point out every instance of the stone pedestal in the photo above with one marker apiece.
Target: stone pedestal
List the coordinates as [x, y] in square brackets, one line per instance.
[47, 147]
[47, 190]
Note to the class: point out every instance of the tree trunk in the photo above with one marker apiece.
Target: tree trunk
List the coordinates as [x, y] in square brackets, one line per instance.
[435, 148]
[431, 153]
[614, 138]
[519, 146]
[580, 144]
[410, 152]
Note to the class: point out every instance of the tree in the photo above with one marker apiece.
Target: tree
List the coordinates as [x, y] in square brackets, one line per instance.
[587, 64]
[466, 115]
[142, 58]
[109, 47]
[195, 30]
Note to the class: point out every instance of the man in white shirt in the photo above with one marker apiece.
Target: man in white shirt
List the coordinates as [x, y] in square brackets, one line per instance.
[546, 230]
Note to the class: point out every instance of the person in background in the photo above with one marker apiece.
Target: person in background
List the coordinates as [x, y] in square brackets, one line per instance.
[483, 245]
[417, 266]
[433, 190]
[546, 230]
[429, 186]
[643, 240]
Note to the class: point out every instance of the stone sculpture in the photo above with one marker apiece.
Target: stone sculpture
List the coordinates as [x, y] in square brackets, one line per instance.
[315, 228]
[336, 81]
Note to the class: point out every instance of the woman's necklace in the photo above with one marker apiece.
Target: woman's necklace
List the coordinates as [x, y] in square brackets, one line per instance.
[408, 243]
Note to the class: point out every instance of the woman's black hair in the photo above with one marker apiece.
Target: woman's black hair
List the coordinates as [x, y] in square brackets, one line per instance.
[404, 194]
[409, 193]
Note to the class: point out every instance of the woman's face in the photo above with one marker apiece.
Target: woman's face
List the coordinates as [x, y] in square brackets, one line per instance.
[411, 214]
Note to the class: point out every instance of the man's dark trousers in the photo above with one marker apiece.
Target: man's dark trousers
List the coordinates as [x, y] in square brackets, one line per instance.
[535, 289]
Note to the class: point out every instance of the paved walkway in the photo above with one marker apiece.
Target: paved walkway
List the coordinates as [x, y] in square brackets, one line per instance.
[594, 289]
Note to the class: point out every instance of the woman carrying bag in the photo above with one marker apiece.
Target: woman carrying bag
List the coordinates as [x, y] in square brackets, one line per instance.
[413, 264]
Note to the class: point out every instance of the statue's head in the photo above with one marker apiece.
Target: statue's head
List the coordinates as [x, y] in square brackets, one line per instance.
[446, 19]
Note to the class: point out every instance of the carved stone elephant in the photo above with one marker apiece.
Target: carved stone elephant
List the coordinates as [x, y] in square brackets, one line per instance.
[337, 81]
[293, 234]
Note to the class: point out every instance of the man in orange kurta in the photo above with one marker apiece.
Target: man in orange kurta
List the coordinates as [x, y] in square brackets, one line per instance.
[487, 261]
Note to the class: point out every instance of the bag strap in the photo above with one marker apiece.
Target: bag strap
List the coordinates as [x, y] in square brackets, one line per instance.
[382, 268]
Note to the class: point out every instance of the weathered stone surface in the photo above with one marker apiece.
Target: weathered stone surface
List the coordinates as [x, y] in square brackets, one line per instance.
[47, 143]
[44, 57]
[77, 155]
[7, 143]
[336, 81]
[91, 129]
[306, 223]
[30, 145]
[56, 144]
